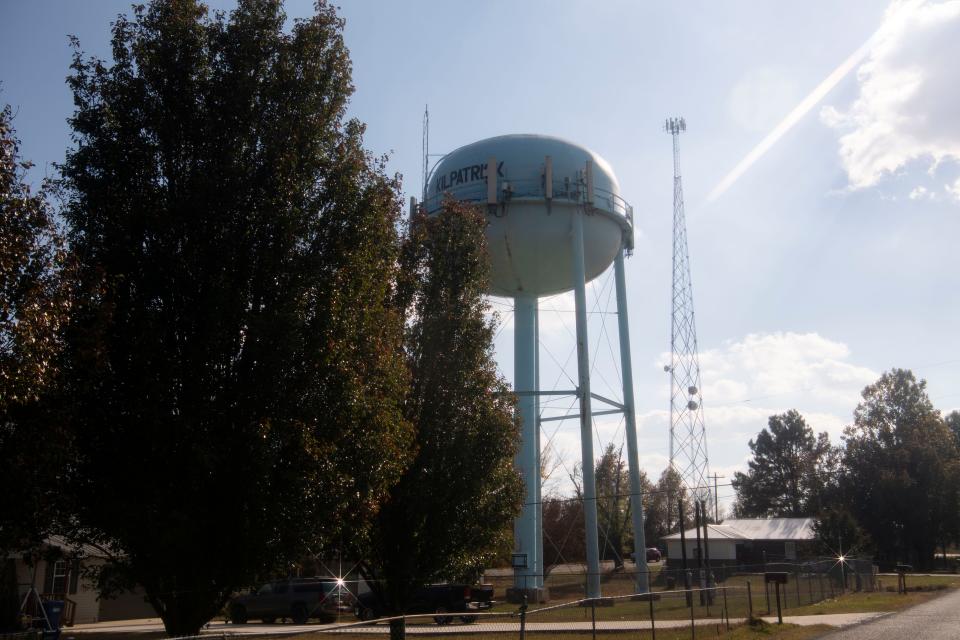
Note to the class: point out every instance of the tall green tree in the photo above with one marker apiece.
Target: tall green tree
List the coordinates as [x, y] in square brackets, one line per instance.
[900, 466]
[837, 532]
[234, 363]
[789, 472]
[34, 305]
[952, 420]
[661, 507]
[563, 532]
[452, 508]
[613, 505]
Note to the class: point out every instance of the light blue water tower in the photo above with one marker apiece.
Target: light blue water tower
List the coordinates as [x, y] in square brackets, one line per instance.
[556, 221]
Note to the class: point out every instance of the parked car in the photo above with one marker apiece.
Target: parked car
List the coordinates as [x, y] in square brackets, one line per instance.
[440, 599]
[653, 554]
[297, 599]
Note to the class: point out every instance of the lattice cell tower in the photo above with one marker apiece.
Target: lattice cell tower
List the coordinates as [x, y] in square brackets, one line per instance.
[688, 434]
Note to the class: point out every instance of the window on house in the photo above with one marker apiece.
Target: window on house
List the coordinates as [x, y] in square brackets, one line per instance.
[790, 550]
[60, 573]
[74, 577]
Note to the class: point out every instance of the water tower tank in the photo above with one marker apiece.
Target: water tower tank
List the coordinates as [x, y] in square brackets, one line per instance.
[539, 183]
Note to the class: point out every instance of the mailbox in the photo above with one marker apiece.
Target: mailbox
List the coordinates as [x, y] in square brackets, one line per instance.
[904, 568]
[776, 577]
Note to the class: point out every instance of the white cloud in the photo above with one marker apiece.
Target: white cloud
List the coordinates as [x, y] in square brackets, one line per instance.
[954, 190]
[801, 365]
[909, 98]
[922, 193]
[746, 381]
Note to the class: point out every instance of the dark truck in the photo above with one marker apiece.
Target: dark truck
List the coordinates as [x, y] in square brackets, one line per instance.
[297, 599]
[461, 600]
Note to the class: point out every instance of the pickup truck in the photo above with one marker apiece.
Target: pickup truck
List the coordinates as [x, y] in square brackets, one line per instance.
[298, 599]
[440, 599]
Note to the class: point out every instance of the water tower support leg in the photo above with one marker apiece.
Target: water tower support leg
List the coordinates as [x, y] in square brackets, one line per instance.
[586, 418]
[540, 568]
[528, 458]
[629, 413]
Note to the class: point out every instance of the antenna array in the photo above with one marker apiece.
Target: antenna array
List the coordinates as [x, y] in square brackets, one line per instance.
[688, 434]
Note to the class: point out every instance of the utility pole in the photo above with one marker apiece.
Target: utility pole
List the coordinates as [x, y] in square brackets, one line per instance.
[716, 499]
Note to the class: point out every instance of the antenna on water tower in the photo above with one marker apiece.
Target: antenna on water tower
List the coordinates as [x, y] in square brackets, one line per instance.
[688, 433]
[426, 150]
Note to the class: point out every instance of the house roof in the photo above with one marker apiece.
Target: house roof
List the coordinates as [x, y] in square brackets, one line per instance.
[85, 550]
[755, 529]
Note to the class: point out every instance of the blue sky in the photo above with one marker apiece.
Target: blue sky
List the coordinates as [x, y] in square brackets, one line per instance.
[830, 260]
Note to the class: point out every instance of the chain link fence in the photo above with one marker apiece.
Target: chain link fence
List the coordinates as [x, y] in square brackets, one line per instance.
[740, 596]
[713, 602]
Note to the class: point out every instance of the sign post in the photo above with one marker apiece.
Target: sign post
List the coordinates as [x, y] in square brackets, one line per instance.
[777, 578]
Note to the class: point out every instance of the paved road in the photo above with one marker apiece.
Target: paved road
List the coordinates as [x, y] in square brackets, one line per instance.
[938, 619]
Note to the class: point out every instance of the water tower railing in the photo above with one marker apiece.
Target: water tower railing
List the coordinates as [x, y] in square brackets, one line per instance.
[519, 190]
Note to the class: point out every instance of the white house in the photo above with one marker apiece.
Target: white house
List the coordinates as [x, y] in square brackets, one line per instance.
[57, 574]
[747, 541]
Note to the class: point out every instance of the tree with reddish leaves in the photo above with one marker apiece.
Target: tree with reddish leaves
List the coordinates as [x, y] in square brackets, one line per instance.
[34, 306]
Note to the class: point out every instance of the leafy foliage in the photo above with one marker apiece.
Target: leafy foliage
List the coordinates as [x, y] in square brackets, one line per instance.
[952, 421]
[563, 531]
[660, 516]
[901, 470]
[789, 471]
[837, 532]
[235, 366]
[452, 508]
[34, 305]
[613, 504]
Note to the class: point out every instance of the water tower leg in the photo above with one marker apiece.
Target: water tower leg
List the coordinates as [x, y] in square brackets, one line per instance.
[629, 413]
[540, 568]
[528, 458]
[586, 417]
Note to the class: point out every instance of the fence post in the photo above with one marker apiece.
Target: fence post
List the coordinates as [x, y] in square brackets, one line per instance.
[523, 618]
[776, 587]
[810, 587]
[653, 624]
[726, 611]
[593, 617]
[693, 629]
[766, 588]
[799, 604]
[749, 602]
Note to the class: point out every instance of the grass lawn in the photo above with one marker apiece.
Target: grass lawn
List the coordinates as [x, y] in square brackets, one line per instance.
[876, 601]
[808, 596]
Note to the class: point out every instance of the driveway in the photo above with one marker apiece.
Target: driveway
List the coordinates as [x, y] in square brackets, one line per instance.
[938, 619]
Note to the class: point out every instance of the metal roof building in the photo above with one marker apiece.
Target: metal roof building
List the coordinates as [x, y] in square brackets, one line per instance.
[746, 540]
